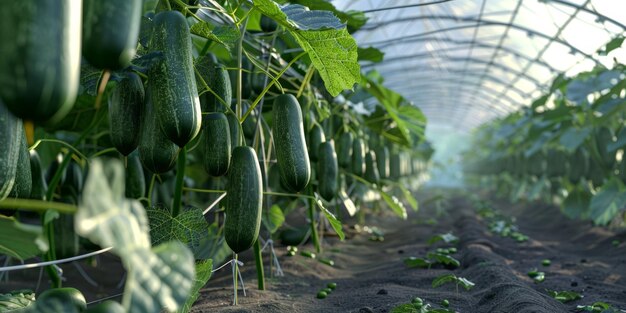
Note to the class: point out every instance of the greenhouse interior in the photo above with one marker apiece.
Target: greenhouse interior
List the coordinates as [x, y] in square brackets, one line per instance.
[407, 156]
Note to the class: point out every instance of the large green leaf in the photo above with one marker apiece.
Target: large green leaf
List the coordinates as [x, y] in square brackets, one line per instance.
[608, 202]
[189, 227]
[224, 35]
[157, 278]
[395, 204]
[274, 218]
[332, 50]
[573, 137]
[612, 45]
[370, 54]
[19, 240]
[354, 19]
[334, 222]
[203, 274]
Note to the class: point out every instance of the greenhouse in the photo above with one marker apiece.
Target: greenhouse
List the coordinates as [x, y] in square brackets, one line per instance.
[408, 156]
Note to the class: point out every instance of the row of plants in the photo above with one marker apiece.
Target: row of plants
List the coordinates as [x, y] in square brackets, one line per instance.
[187, 132]
[567, 147]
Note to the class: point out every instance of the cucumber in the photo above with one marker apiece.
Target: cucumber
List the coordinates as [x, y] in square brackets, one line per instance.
[289, 143]
[11, 131]
[235, 130]
[125, 106]
[40, 58]
[39, 184]
[371, 168]
[23, 177]
[156, 152]
[135, 180]
[216, 78]
[110, 32]
[358, 157]
[316, 137]
[344, 150]
[328, 171]
[244, 199]
[382, 161]
[249, 124]
[172, 80]
[217, 144]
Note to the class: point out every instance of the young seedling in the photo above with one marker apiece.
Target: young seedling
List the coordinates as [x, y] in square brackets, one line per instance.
[433, 258]
[459, 281]
[448, 238]
[418, 305]
[598, 307]
[564, 296]
[546, 262]
[537, 276]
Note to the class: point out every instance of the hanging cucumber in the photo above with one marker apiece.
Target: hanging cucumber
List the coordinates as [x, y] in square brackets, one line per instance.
[328, 170]
[216, 78]
[40, 57]
[358, 157]
[110, 31]
[135, 180]
[371, 168]
[244, 199]
[40, 186]
[235, 130]
[11, 143]
[316, 137]
[289, 143]
[156, 152]
[217, 144]
[344, 155]
[172, 80]
[382, 161]
[125, 107]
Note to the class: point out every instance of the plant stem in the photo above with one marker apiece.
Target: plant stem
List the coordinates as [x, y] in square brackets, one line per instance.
[37, 205]
[258, 258]
[316, 241]
[235, 272]
[180, 175]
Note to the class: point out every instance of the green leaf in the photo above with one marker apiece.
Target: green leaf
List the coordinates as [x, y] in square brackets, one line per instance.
[274, 219]
[443, 259]
[573, 137]
[203, 274]
[157, 278]
[465, 283]
[370, 54]
[52, 304]
[417, 262]
[330, 47]
[354, 19]
[21, 241]
[395, 204]
[608, 202]
[576, 205]
[447, 238]
[564, 296]
[612, 45]
[621, 141]
[409, 197]
[348, 204]
[334, 222]
[443, 279]
[16, 300]
[189, 227]
[224, 35]
[405, 308]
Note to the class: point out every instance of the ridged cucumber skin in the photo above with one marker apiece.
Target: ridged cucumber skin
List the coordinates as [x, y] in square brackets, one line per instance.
[327, 171]
[40, 186]
[217, 144]
[371, 168]
[244, 198]
[172, 80]
[358, 157]
[216, 77]
[344, 150]
[23, 184]
[135, 180]
[290, 145]
[110, 31]
[11, 130]
[235, 130]
[156, 152]
[382, 162]
[316, 137]
[40, 57]
[125, 107]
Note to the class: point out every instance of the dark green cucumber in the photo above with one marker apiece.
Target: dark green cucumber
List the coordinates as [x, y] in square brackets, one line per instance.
[316, 137]
[556, 163]
[40, 57]
[125, 107]
[40, 186]
[217, 144]
[156, 152]
[268, 25]
[604, 137]
[216, 78]
[250, 123]
[344, 150]
[289, 143]
[235, 130]
[382, 161]
[11, 131]
[23, 178]
[172, 80]
[135, 177]
[110, 32]
[371, 168]
[244, 198]
[328, 171]
[358, 157]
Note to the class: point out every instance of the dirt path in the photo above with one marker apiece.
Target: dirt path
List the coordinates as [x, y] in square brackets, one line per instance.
[371, 276]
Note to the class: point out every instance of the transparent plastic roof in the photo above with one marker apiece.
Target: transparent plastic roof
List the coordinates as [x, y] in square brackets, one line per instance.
[464, 62]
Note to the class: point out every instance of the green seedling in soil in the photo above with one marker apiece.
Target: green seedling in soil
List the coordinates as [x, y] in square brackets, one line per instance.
[433, 258]
[446, 250]
[445, 303]
[448, 238]
[322, 295]
[328, 262]
[418, 305]
[537, 276]
[616, 243]
[598, 307]
[448, 278]
[327, 290]
[507, 229]
[546, 262]
[564, 296]
[308, 254]
[332, 286]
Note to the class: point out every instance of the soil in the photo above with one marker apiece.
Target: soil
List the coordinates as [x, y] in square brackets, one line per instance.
[371, 276]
